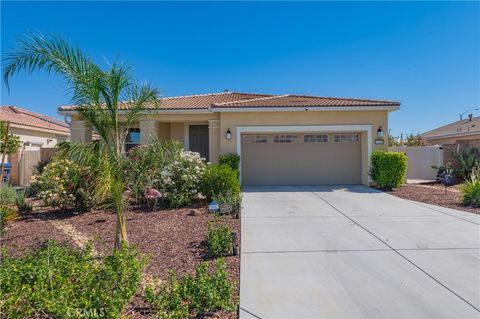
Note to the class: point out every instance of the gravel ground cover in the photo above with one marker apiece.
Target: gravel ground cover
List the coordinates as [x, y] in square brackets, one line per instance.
[172, 239]
[434, 194]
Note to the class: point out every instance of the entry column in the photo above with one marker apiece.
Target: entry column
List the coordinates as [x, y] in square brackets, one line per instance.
[214, 140]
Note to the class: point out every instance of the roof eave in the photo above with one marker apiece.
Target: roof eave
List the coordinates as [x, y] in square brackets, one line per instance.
[153, 111]
[389, 108]
[213, 109]
[436, 137]
[38, 129]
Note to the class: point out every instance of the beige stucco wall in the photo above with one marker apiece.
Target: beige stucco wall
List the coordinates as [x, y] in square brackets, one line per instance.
[175, 126]
[163, 131]
[37, 138]
[374, 118]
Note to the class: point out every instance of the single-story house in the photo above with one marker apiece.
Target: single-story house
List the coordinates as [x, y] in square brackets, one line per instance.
[38, 133]
[281, 139]
[465, 131]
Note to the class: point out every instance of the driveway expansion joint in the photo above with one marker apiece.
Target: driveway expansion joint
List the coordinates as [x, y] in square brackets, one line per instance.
[398, 253]
[250, 313]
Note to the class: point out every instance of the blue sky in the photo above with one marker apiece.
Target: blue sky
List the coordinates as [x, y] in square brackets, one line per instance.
[424, 54]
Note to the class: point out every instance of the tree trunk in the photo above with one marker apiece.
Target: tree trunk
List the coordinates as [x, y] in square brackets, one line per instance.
[121, 231]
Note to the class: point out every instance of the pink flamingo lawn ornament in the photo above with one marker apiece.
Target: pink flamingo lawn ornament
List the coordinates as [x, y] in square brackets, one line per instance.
[152, 193]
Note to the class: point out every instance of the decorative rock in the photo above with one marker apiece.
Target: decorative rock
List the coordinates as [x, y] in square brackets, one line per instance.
[194, 212]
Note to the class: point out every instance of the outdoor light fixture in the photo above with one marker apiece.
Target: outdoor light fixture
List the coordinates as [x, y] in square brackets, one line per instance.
[228, 135]
[380, 132]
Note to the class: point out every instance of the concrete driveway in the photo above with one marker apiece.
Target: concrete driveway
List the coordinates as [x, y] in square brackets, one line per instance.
[353, 252]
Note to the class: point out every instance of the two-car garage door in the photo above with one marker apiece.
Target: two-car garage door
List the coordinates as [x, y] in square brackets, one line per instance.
[301, 159]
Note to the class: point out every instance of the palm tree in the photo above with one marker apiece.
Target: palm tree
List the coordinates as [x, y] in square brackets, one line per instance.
[98, 94]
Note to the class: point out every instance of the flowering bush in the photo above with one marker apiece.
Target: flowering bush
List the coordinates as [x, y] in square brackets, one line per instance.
[180, 179]
[145, 164]
[62, 183]
[166, 167]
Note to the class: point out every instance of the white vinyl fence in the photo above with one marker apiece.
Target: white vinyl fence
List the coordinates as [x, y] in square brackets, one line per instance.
[420, 160]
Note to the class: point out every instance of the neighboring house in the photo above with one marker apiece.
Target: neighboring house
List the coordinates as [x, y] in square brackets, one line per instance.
[38, 133]
[465, 132]
[281, 139]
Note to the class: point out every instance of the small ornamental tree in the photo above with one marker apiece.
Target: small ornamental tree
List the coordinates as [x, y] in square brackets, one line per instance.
[98, 93]
[9, 144]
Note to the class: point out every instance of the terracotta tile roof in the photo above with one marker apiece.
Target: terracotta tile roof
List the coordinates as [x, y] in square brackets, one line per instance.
[204, 101]
[457, 128]
[192, 102]
[236, 100]
[17, 115]
[292, 100]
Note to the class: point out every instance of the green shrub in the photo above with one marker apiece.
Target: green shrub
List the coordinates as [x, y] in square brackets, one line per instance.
[210, 293]
[466, 159]
[168, 298]
[219, 240]
[232, 160]
[61, 282]
[471, 190]
[231, 198]
[221, 180]
[192, 297]
[63, 183]
[8, 195]
[7, 213]
[388, 169]
[23, 205]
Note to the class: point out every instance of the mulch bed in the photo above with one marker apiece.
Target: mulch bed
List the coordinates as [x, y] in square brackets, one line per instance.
[172, 239]
[433, 194]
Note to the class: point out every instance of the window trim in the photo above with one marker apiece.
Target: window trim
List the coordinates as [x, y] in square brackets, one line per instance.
[129, 144]
[285, 139]
[345, 138]
[318, 138]
[255, 139]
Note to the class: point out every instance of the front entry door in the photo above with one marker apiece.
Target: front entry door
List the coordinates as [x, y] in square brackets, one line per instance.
[198, 138]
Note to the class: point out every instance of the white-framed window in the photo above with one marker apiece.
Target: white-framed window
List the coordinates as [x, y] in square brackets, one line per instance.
[346, 138]
[315, 138]
[285, 139]
[254, 139]
[133, 139]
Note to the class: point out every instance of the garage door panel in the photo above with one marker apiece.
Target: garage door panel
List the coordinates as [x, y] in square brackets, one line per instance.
[301, 163]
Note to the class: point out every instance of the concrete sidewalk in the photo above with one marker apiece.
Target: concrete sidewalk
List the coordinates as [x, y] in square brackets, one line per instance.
[354, 252]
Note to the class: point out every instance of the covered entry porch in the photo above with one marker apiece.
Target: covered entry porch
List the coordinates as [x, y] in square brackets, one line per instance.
[198, 134]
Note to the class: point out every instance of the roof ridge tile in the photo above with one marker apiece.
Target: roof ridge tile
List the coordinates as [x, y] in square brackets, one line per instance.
[195, 95]
[251, 100]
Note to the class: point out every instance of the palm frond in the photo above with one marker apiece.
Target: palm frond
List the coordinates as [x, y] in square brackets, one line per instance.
[98, 95]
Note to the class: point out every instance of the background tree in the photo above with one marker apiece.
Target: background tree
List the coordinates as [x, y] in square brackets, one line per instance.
[97, 94]
[408, 140]
[9, 144]
[414, 140]
[393, 141]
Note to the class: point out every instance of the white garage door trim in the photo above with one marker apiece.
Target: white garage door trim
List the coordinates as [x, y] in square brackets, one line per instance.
[307, 128]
